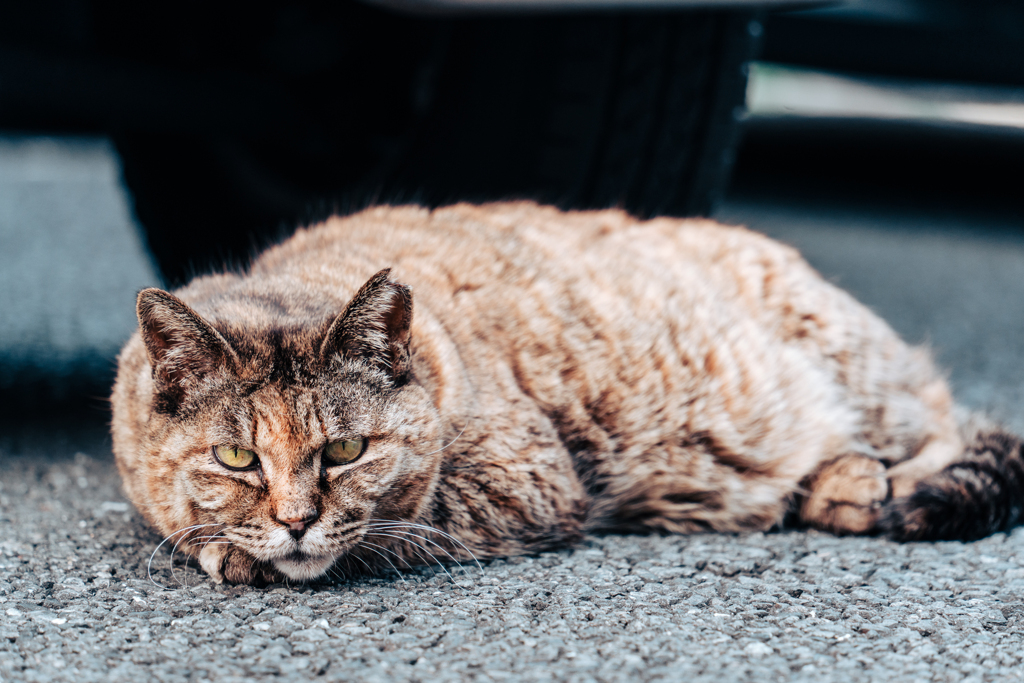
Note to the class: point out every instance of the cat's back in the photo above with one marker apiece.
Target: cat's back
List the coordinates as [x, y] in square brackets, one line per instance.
[465, 248]
[517, 274]
[555, 292]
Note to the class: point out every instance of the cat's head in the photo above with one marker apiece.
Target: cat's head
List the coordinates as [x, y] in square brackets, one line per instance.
[288, 439]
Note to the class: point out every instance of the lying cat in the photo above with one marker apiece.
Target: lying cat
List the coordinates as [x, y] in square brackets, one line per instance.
[563, 372]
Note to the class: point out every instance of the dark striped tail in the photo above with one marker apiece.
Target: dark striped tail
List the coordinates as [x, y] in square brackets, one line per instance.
[976, 496]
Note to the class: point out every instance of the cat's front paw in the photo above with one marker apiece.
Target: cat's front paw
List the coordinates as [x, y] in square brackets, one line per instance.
[847, 495]
[228, 564]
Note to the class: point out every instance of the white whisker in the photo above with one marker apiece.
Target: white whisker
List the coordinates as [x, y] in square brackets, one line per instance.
[389, 523]
[348, 565]
[174, 574]
[335, 574]
[203, 541]
[149, 565]
[398, 530]
[363, 561]
[424, 562]
[457, 437]
[417, 545]
[400, 575]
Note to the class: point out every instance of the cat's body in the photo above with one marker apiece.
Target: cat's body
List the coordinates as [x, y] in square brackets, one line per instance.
[562, 373]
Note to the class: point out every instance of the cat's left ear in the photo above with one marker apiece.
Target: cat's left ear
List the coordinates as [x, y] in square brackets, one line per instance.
[375, 327]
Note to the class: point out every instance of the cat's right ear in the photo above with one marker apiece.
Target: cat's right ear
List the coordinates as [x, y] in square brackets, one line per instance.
[183, 348]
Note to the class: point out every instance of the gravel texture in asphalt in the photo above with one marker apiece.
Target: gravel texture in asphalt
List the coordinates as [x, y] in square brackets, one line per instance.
[76, 603]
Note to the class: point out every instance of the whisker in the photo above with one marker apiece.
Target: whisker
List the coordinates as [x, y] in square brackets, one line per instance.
[439, 563]
[397, 528]
[174, 574]
[424, 527]
[364, 562]
[149, 565]
[204, 541]
[335, 574]
[457, 437]
[414, 543]
[348, 565]
[423, 561]
[400, 575]
[443, 534]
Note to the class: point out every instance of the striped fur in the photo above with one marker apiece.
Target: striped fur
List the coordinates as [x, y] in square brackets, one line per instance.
[523, 376]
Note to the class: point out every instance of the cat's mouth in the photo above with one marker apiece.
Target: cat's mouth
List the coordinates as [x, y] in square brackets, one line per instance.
[300, 566]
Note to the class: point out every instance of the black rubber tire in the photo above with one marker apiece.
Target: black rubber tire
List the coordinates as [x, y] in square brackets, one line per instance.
[637, 111]
[632, 111]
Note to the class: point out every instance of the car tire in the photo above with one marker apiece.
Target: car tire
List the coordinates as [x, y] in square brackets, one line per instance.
[637, 111]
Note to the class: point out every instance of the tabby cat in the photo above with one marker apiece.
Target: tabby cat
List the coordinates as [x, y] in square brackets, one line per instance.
[562, 373]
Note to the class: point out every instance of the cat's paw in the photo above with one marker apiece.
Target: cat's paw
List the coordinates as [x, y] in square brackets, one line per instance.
[228, 564]
[211, 559]
[847, 495]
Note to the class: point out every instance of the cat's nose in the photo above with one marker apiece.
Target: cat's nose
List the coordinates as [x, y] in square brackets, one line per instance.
[297, 522]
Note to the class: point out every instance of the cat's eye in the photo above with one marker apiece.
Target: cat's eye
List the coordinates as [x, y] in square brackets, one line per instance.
[341, 452]
[235, 458]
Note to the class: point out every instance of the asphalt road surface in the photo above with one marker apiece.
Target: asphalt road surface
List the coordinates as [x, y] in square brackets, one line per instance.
[76, 603]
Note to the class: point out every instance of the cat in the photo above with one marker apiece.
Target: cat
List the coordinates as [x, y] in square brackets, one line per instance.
[559, 373]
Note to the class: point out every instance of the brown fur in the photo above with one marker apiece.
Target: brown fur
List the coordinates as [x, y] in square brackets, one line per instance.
[559, 372]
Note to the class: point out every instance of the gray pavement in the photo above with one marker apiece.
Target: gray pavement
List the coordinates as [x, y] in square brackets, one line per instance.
[76, 604]
[71, 261]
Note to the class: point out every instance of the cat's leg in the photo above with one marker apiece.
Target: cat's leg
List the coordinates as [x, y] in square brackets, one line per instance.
[226, 563]
[914, 431]
[846, 495]
[931, 459]
[942, 444]
[980, 492]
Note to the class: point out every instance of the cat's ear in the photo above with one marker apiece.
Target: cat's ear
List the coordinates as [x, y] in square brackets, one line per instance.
[374, 327]
[183, 348]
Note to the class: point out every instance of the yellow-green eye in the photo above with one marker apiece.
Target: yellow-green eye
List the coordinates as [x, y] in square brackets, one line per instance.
[341, 452]
[234, 458]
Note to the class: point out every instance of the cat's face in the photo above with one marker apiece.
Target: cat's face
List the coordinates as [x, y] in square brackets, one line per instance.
[288, 448]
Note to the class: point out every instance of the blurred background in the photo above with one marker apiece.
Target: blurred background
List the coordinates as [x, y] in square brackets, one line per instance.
[141, 144]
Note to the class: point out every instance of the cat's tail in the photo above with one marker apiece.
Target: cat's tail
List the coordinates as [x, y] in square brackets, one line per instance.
[978, 495]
